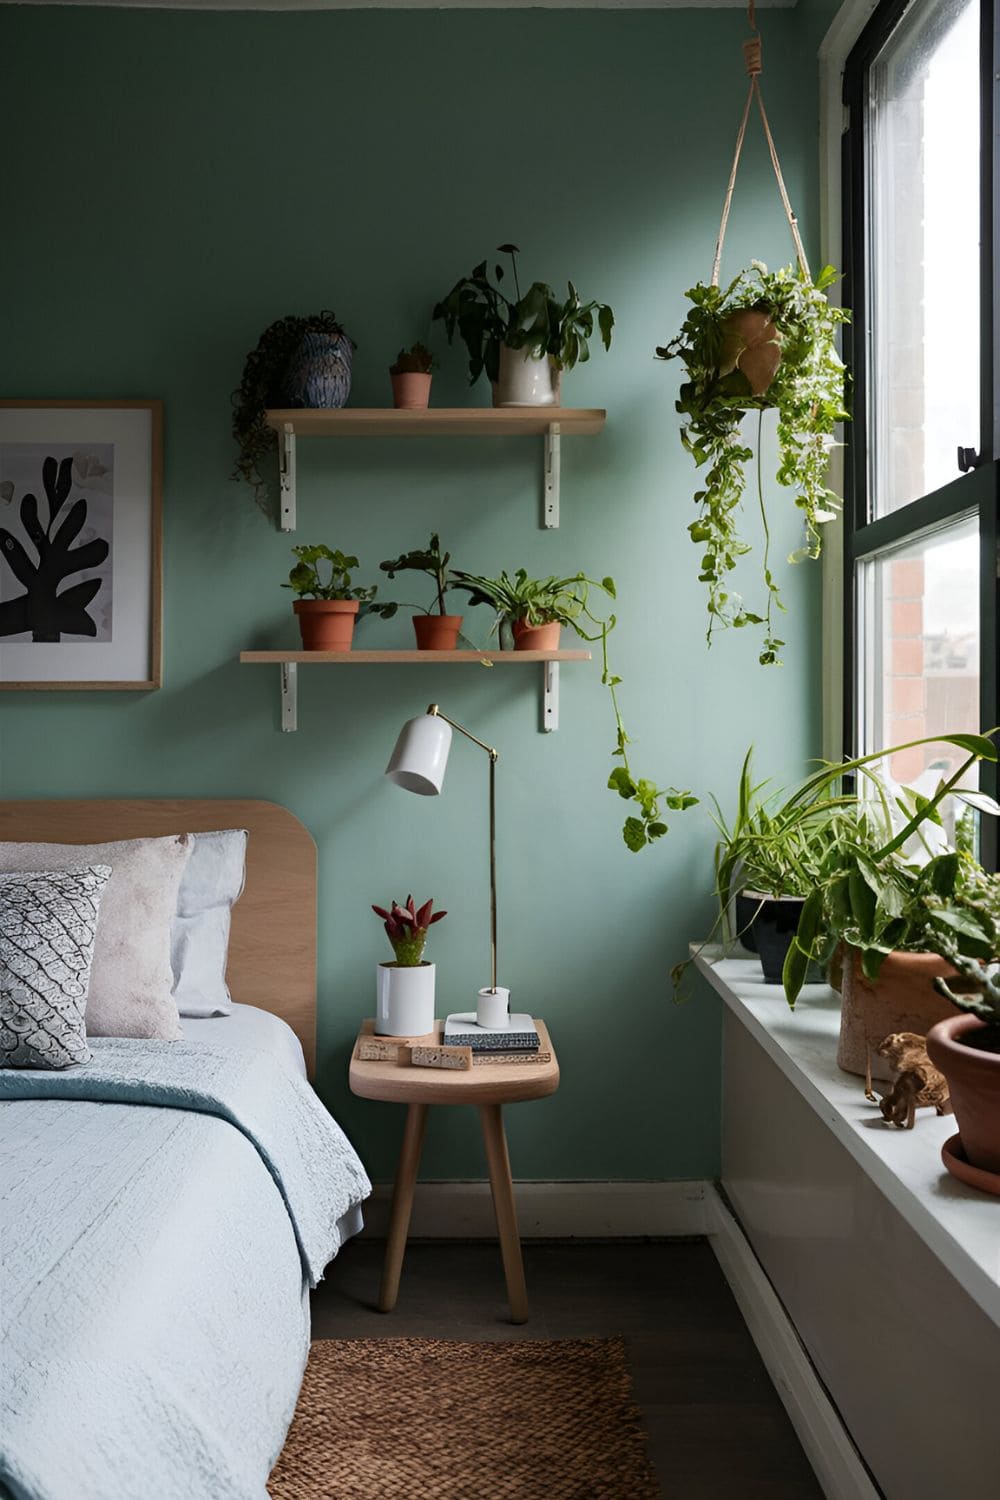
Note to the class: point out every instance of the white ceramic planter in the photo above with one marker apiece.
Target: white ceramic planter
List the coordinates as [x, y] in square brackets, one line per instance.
[493, 1009]
[525, 379]
[404, 1000]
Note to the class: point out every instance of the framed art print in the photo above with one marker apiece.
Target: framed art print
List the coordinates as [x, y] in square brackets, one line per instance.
[80, 544]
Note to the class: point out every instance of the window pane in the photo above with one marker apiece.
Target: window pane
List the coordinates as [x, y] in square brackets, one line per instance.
[924, 238]
[918, 656]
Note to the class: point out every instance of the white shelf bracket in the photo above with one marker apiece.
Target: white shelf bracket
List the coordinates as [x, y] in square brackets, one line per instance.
[550, 509]
[550, 696]
[286, 476]
[289, 697]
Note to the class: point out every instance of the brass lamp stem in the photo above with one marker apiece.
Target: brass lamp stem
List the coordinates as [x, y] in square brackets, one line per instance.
[494, 756]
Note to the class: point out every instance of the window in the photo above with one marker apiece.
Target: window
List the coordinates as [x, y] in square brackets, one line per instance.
[921, 513]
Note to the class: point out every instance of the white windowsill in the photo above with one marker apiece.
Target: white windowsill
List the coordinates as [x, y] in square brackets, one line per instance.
[961, 1226]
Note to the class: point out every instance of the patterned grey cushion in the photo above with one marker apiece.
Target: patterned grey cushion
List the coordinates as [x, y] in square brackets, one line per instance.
[48, 921]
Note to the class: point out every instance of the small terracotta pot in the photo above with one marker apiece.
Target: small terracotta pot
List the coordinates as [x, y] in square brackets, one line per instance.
[753, 345]
[437, 632]
[326, 624]
[536, 637]
[411, 391]
[973, 1076]
[903, 998]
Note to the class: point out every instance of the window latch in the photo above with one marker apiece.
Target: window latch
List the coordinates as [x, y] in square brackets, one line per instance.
[968, 459]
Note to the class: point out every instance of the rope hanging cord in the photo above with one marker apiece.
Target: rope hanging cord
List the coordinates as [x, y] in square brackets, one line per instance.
[752, 59]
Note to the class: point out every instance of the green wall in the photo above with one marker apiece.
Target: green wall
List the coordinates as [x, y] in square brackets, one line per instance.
[172, 183]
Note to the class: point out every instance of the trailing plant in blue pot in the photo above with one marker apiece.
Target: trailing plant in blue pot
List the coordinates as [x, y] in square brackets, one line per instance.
[296, 362]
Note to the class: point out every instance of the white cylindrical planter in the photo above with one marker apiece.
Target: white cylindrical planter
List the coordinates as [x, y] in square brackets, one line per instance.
[525, 379]
[493, 1009]
[404, 1000]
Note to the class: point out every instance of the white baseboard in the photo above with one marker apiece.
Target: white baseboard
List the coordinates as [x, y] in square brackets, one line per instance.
[550, 1210]
[827, 1444]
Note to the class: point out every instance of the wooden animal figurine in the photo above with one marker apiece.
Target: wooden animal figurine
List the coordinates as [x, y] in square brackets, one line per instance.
[918, 1083]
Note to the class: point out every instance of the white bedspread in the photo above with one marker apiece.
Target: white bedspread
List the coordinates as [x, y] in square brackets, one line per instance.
[152, 1289]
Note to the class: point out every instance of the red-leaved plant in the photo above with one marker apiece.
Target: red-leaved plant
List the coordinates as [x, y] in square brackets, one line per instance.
[406, 927]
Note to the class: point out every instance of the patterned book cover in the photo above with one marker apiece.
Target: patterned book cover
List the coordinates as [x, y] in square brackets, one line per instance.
[521, 1035]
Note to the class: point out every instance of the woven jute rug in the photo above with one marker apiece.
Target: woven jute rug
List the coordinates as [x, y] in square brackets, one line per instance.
[426, 1419]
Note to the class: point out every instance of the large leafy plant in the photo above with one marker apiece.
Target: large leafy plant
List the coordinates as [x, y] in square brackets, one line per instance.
[539, 601]
[767, 340]
[539, 321]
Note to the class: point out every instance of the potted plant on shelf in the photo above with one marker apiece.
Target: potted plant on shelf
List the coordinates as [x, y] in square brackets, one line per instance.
[526, 342]
[766, 341]
[328, 611]
[405, 986]
[535, 609]
[966, 1049]
[435, 631]
[296, 362]
[411, 378]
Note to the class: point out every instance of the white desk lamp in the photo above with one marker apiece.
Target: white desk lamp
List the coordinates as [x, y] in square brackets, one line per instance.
[418, 764]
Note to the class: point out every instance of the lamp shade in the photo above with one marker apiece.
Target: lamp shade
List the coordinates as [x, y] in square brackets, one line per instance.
[420, 758]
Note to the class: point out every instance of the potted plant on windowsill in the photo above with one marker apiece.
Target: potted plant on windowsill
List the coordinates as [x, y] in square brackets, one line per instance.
[766, 341]
[523, 344]
[966, 1049]
[535, 610]
[405, 986]
[435, 631]
[411, 376]
[296, 362]
[328, 611]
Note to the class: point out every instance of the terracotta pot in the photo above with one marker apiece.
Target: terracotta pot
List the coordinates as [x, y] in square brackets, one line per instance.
[326, 624]
[536, 637]
[903, 998]
[411, 391]
[753, 345]
[437, 632]
[973, 1075]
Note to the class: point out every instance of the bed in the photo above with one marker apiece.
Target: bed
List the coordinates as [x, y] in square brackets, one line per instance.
[166, 1208]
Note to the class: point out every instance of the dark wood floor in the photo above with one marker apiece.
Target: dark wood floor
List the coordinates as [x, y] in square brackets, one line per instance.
[717, 1430]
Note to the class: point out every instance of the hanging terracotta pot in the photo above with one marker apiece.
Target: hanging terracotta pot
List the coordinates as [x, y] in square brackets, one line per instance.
[903, 998]
[326, 624]
[437, 632]
[966, 1051]
[753, 346]
[536, 637]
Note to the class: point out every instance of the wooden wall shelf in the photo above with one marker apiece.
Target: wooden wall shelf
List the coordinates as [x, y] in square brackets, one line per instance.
[548, 422]
[290, 661]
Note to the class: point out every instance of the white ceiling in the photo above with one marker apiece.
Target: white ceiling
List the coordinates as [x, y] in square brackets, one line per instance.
[418, 4]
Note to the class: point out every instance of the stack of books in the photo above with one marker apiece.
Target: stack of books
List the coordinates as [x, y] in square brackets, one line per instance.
[517, 1042]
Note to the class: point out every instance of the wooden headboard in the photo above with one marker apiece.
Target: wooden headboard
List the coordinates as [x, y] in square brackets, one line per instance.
[272, 950]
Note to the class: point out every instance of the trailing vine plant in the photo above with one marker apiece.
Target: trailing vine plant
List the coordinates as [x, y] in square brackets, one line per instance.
[568, 601]
[261, 386]
[767, 340]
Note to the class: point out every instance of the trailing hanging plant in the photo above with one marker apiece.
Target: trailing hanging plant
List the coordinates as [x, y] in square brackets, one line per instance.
[540, 601]
[261, 386]
[767, 340]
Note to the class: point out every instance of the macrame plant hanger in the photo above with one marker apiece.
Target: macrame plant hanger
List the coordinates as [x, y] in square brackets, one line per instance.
[752, 60]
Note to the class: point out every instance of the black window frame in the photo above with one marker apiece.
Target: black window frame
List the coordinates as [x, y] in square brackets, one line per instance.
[978, 491]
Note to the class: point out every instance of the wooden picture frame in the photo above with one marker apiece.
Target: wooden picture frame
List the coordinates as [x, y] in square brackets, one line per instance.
[81, 479]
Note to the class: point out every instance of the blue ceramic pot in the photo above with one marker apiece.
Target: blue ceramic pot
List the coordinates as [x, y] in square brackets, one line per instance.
[319, 372]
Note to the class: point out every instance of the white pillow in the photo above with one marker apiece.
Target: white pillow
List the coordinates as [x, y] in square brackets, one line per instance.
[131, 979]
[211, 885]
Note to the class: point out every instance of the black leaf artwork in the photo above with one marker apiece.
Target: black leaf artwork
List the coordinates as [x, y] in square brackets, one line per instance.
[41, 609]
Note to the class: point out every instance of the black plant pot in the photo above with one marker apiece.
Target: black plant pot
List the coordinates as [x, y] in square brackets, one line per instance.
[773, 922]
